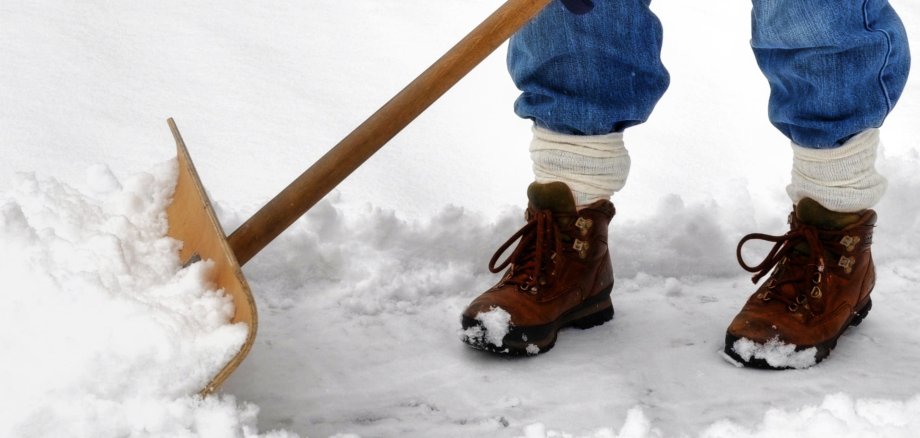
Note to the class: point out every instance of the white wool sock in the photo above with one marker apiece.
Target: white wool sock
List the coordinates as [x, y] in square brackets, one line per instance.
[842, 179]
[593, 166]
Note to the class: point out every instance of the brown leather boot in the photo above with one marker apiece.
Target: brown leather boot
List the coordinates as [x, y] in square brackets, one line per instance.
[820, 286]
[559, 275]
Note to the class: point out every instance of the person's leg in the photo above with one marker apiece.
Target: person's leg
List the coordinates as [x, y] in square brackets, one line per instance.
[589, 74]
[584, 78]
[836, 69]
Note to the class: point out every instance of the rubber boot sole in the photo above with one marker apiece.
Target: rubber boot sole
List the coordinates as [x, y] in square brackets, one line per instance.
[532, 340]
[823, 349]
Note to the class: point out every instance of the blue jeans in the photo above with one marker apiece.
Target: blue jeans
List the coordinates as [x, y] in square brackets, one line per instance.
[835, 67]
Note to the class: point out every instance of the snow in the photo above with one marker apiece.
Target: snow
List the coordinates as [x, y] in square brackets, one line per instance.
[777, 353]
[495, 325]
[360, 300]
[636, 425]
[838, 415]
[160, 417]
[99, 318]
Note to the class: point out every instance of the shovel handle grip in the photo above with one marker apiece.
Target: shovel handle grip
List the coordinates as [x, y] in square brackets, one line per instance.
[344, 158]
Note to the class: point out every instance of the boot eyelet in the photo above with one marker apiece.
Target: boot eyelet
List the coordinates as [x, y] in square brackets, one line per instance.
[584, 225]
[816, 292]
[582, 247]
[801, 299]
[817, 278]
[792, 307]
[847, 263]
[850, 242]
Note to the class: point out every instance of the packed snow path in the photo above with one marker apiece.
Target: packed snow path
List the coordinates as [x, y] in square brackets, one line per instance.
[364, 337]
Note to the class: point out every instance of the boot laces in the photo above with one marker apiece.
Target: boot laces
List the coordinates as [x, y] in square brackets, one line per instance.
[799, 257]
[532, 256]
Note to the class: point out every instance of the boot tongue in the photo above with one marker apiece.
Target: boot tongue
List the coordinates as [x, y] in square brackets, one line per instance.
[810, 212]
[554, 196]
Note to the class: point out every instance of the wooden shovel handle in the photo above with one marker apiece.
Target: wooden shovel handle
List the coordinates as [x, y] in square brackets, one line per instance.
[343, 159]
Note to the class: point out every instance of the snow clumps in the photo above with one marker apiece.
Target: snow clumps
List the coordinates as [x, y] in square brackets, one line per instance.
[777, 353]
[838, 415]
[494, 325]
[636, 425]
[104, 334]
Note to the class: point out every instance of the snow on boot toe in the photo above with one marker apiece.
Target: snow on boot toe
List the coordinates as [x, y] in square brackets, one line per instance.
[820, 276]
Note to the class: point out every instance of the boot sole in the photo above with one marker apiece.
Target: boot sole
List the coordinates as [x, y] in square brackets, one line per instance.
[823, 349]
[532, 340]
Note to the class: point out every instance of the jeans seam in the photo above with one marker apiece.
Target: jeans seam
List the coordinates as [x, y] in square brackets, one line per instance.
[886, 63]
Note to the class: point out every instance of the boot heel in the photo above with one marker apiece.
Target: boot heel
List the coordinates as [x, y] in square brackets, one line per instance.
[594, 319]
[862, 313]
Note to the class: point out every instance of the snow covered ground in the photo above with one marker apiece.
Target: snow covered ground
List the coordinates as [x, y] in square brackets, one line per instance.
[360, 300]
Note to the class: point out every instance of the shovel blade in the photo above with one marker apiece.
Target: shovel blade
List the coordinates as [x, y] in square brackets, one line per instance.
[193, 222]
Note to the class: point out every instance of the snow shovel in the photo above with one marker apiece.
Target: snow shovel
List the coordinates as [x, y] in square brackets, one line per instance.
[193, 222]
